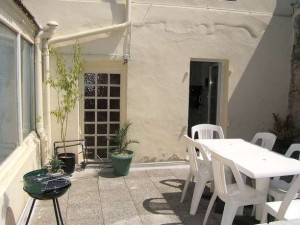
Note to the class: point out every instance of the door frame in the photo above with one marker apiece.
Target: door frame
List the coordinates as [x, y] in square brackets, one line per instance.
[222, 102]
[105, 66]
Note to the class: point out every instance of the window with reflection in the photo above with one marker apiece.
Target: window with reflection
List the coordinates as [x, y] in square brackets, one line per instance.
[16, 91]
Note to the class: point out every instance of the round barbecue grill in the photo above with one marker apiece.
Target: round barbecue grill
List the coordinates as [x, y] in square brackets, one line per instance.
[43, 186]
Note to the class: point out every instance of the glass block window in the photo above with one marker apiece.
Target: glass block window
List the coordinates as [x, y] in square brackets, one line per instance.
[101, 111]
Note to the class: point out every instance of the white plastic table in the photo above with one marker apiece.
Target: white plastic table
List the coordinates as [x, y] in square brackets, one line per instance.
[254, 161]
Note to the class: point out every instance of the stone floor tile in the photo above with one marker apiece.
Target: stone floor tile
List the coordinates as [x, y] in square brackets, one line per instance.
[155, 219]
[159, 173]
[111, 184]
[86, 222]
[120, 213]
[154, 206]
[116, 195]
[141, 194]
[84, 210]
[139, 183]
[167, 184]
[86, 184]
[180, 173]
[137, 174]
[89, 172]
[84, 197]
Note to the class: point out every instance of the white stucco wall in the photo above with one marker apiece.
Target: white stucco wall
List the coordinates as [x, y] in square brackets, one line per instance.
[165, 39]
[12, 197]
[254, 36]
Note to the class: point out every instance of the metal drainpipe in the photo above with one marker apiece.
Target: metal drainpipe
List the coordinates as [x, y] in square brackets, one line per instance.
[44, 33]
[96, 31]
[39, 96]
[46, 77]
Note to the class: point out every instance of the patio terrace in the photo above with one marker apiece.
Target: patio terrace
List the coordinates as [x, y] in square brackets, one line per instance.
[148, 195]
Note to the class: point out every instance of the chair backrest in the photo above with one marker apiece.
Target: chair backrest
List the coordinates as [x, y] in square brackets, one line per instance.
[219, 163]
[264, 139]
[293, 148]
[295, 187]
[197, 163]
[207, 131]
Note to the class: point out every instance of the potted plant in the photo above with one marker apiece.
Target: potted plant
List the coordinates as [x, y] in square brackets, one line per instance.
[120, 156]
[67, 87]
[55, 165]
[285, 132]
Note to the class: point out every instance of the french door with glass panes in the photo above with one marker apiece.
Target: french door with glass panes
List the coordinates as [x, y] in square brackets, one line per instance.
[101, 112]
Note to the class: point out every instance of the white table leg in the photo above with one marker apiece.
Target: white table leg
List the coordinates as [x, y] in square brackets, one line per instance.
[262, 184]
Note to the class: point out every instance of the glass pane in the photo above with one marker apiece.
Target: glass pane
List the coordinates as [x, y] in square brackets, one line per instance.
[89, 129]
[115, 116]
[89, 116]
[102, 129]
[102, 116]
[90, 141]
[27, 87]
[89, 91]
[115, 104]
[115, 78]
[101, 141]
[90, 154]
[113, 128]
[111, 143]
[8, 90]
[115, 91]
[102, 104]
[89, 103]
[89, 78]
[102, 152]
[102, 78]
[101, 91]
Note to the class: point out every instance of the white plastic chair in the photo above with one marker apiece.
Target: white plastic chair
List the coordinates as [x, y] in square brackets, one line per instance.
[235, 194]
[264, 139]
[200, 168]
[279, 187]
[207, 131]
[287, 209]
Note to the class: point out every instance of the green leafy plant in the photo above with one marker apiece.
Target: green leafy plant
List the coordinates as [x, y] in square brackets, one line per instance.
[55, 165]
[284, 129]
[67, 88]
[120, 139]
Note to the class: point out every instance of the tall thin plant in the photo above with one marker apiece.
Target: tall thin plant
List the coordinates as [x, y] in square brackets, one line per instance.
[67, 88]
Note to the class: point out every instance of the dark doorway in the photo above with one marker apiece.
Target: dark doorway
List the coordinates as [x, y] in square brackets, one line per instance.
[203, 95]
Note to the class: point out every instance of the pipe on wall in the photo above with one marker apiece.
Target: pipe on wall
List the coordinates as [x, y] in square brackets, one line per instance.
[96, 31]
[39, 95]
[41, 117]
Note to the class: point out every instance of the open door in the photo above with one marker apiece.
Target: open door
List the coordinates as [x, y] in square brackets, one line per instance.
[205, 93]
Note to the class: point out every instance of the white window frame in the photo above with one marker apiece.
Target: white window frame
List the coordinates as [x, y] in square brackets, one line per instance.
[18, 54]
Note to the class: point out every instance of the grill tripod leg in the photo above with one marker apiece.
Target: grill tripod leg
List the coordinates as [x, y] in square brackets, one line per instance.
[31, 208]
[57, 212]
